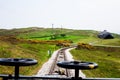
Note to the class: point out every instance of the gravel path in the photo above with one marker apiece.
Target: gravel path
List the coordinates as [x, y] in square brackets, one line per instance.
[44, 71]
[70, 58]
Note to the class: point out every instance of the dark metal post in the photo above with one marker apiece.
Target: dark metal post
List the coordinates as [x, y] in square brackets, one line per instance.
[16, 72]
[4, 78]
[76, 73]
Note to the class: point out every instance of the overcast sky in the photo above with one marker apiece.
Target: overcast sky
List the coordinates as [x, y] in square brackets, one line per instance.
[75, 14]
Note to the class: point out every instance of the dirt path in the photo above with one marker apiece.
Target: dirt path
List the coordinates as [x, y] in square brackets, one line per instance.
[44, 71]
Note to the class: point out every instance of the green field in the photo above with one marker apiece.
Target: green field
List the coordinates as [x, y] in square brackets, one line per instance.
[113, 42]
[25, 50]
[16, 43]
[108, 61]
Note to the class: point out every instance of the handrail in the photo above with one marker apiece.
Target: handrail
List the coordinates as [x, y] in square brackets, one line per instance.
[7, 77]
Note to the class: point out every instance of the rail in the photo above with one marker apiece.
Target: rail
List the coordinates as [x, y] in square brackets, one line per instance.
[9, 77]
[55, 70]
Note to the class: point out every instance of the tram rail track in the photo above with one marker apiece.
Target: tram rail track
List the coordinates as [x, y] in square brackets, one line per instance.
[55, 70]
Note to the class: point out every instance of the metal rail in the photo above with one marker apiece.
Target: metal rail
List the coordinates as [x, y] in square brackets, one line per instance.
[55, 70]
[8, 77]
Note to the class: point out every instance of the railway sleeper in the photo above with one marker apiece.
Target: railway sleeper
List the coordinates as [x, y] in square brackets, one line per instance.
[60, 71]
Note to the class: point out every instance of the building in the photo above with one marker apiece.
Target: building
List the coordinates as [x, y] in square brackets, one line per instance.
[105, 35]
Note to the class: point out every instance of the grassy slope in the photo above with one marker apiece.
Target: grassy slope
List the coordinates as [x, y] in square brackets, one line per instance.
[24, 50]
[74, 35]
[114, 42]
[109, 62]
[38, 52]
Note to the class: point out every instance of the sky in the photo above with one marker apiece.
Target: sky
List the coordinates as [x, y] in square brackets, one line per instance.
[73, 14]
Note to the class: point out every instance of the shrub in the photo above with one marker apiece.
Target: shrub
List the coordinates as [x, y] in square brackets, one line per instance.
[84, 46]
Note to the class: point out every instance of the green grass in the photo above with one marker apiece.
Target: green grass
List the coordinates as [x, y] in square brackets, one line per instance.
[25, 50]
[68, 37]
[114, 42]
[45, 34]
[109, 62]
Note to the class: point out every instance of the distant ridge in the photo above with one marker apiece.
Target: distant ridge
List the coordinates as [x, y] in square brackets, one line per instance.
[40, 31]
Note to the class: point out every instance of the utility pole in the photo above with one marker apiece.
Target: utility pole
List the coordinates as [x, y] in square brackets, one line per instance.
[52, 28]
[61, 28]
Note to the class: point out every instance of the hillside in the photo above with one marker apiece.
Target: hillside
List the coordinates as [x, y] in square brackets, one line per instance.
[18, 49]
[45, 31]
[35, 33]
[35, 42]
[108, 59]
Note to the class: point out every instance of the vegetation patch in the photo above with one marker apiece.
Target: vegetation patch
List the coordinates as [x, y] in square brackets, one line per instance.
[113, 42]
[84, 46]
[37, 42]
[24, 50]
[109, 62]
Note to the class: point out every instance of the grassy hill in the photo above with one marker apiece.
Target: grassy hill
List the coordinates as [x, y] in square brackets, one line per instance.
[18, 49]
[47, 33]
[34, 33]
[35, 42]
[108, 60]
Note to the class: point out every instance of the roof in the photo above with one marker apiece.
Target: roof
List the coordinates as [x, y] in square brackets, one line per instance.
[105, 35]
